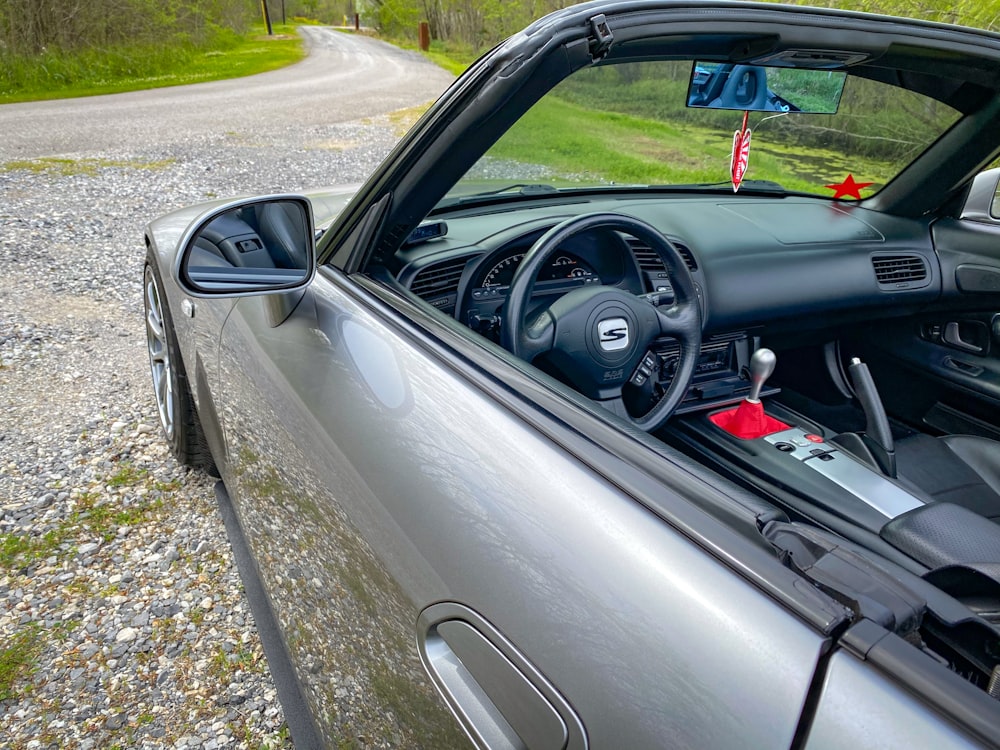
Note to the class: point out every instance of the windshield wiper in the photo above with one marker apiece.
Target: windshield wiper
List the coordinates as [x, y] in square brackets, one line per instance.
[521, 190]
[529, 189]
[518, 188]
[764, 186]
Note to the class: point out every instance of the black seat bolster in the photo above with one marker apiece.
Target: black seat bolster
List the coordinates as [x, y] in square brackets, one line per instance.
[943, 534]
[206, 254]
[282, 229]
[982, 454]
[973, 581]
[960, 469]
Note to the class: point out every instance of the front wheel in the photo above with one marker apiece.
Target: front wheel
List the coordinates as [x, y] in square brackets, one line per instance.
[174, 403]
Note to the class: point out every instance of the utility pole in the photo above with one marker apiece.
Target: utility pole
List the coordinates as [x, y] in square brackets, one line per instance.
[267, 17]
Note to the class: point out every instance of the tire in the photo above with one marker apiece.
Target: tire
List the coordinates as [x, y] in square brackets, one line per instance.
[174, 404]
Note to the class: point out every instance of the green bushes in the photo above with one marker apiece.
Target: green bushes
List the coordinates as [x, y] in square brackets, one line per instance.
[984, 15]
[480, 24]
[96, 66]
[33, 27]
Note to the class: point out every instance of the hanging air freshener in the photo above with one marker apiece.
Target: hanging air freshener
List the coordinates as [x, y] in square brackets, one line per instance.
[741, 153]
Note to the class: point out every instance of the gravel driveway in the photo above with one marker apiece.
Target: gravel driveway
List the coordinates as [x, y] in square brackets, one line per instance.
[122, 616]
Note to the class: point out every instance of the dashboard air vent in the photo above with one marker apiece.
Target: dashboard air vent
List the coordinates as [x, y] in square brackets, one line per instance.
[438, 283]
[899, 270]
[650, 261]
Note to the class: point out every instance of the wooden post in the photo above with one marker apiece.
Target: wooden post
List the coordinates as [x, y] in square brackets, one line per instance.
[357, 22]
[267, 17]
[425, 36]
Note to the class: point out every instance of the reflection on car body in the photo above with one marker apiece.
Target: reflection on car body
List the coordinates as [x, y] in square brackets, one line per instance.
[552, 439]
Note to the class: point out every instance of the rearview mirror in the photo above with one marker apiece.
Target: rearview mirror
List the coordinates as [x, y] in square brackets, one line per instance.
[257, 246]
[757, 88]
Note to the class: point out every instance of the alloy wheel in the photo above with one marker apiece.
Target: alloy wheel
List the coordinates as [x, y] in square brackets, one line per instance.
[159, 354]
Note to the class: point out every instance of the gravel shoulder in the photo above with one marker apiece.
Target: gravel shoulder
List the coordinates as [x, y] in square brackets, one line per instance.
[122, 618]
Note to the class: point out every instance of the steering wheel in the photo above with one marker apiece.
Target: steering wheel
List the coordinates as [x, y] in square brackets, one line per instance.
[598, 336]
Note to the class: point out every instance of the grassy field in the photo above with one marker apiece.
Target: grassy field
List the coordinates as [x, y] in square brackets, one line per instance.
[615, 147]
[108, 71]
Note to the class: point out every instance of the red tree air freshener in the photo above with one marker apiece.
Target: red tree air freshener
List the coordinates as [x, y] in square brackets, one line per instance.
[741, 153]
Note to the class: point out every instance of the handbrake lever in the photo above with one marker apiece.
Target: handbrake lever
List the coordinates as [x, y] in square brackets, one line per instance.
[878, 434]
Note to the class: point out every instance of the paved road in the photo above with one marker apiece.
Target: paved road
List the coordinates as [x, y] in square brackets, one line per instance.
[344, 78]
[143, 634]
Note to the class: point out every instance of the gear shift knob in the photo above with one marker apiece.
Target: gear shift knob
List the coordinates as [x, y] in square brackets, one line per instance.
[761, 366]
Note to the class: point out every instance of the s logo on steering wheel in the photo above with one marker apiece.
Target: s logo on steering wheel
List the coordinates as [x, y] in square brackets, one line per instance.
[613, 334]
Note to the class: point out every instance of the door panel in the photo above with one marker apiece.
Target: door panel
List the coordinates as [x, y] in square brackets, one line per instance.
[346, 621]
[929, 383]
[941, 369]
[373, 481]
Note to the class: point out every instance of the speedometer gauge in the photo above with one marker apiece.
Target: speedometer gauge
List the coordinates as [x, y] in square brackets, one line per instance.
[502, 273]
[565, 266]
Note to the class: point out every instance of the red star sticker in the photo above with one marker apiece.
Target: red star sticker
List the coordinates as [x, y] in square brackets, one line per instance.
[849, 188]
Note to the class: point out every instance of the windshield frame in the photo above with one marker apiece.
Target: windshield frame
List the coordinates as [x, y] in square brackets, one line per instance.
[954, 64]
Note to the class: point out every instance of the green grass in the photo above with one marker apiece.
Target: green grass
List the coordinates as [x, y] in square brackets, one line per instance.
[626, 149]
[453, 58]
[94, 515]
[69, 167]
[17, 659]
[58, 75]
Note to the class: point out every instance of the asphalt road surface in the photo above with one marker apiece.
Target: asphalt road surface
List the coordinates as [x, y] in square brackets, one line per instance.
[344, 78]
[117, 584]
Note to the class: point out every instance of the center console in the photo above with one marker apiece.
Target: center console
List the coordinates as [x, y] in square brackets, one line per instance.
[804, 466]
[870, 487]
[719, 375]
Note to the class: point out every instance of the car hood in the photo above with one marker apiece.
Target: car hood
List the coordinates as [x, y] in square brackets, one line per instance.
[329, 202]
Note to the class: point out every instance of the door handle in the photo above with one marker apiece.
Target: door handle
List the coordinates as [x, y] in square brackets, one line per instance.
[501, 705]
[953, 336]
[502, 701]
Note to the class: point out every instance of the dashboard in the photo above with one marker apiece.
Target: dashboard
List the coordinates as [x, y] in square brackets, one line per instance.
[763, 268]
[782, 263]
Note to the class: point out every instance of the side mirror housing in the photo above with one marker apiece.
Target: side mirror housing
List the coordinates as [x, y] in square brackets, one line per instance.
[250, 247]
[983, 201]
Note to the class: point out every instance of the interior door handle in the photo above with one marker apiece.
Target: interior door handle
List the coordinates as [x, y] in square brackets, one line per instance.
[953, 336]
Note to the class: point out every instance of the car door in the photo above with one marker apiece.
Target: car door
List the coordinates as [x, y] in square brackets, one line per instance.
[940, 368]
[422, 539]
[861, 704]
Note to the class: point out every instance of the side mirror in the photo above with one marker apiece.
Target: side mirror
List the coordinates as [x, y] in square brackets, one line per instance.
[983, 200]
[258, 246]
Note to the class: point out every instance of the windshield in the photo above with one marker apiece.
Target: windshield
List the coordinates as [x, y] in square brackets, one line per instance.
[633, 124]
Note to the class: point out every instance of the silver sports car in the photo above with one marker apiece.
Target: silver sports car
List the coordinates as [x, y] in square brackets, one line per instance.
[648, 394]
